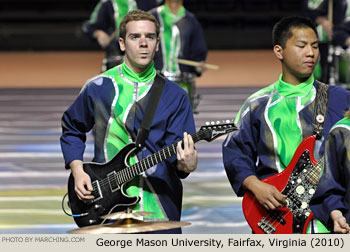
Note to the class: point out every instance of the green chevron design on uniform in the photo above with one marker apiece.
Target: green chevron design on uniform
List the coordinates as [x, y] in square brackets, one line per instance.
[284, 118]
[171, 39]
[121, 8]
[119, 137]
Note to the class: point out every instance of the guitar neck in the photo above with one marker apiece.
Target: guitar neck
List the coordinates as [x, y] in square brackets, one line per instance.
[150, 161]
[314, 175]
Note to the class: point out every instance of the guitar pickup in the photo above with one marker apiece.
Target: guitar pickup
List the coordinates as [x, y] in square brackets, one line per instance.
[112, 180]
[266, 226]
[96, 191]
[276, 215]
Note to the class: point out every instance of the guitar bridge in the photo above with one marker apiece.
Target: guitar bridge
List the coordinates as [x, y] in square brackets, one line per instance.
[96, 191]
[266, 226]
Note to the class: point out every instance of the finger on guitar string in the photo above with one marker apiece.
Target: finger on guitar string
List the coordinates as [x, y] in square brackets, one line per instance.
[190, 143]
[186, 147]
[179, 150]
[83, 187]
[83, 194]
[186, 154]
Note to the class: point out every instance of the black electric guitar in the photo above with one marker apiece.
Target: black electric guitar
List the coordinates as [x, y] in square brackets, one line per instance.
[108, 178]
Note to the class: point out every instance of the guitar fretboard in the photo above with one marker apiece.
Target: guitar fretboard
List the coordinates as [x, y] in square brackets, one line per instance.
[314, 174]
[150, 161]
[115, 179]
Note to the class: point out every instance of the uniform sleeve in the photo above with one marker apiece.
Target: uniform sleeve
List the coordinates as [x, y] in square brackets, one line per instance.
[341, 33]
[180, 121]
[99, 20]
[199, 50]
[332, 185]
[77, 120]
[314, 10]
[239, 151]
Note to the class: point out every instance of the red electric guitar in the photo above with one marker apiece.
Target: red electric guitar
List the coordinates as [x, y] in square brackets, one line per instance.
[298, 181]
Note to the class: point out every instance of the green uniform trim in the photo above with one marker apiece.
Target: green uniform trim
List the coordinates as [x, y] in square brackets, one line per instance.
[347, 14]
[283, 114]
[131, 87]
[314, 4]
[94, 13]
[121, 8]
[286, 124]
[260, 93]
[344, 121]
[170, 37]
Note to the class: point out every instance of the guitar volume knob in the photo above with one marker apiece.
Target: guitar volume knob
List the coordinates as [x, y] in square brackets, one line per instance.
[96, 207]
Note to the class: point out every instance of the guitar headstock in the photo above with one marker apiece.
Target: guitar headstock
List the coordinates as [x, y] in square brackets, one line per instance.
[214, 130]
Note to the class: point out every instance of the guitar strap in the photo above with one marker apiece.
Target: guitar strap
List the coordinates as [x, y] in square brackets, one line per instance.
[321, 106]
[151, 108]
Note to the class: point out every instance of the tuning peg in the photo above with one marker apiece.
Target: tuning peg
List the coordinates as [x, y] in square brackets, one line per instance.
[212, 122]
[228, 121]
[207, 123]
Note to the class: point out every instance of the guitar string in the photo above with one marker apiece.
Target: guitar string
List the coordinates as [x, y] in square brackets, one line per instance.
[289, 212]
[323, 94]
[274, 218]
[127, 173]
[130, 169]
[285, 214]
[196, 137]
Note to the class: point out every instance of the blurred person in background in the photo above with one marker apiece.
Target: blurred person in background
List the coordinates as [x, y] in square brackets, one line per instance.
[181, 37]
[104, 19]
[330, 32]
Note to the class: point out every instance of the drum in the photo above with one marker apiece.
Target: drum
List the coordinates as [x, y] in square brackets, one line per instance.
[342, 65]
[187, 82]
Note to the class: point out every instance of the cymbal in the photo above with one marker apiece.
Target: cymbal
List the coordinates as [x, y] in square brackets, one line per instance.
[127, 226]
[125, 215]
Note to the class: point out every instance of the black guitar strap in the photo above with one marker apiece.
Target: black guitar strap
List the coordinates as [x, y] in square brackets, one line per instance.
[321, 106]
[151, 107]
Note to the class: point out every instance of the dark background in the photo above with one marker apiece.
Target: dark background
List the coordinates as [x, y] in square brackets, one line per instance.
[43, 25]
